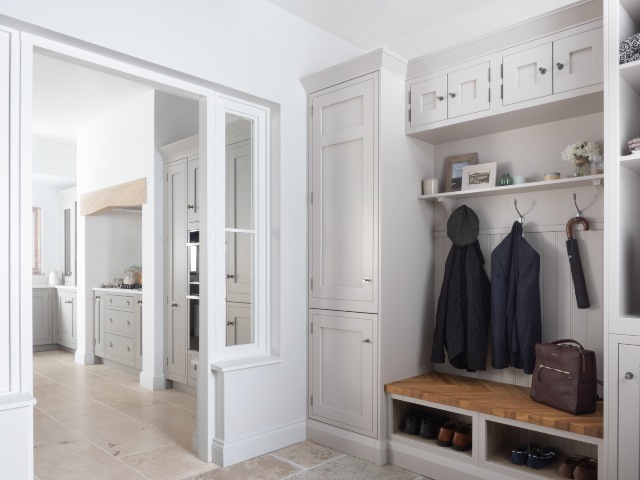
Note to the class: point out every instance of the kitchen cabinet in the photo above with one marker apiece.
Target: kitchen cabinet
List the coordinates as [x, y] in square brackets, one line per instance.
[193, 369]
[138, 330]
[239, 324]
[67, 317]
[42, 315]
[429, 100]
[343, 353]
[527, 75]
[628, 381]
[98, 324]
[121, 329]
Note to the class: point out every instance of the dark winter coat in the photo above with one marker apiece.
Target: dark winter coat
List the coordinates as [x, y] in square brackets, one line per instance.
[463, 310]
[516, 323]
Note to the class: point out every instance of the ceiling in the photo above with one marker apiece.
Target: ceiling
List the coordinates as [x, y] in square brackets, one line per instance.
[68, 96]
[370, 24]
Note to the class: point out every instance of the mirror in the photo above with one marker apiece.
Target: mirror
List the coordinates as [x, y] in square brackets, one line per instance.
[240, 231]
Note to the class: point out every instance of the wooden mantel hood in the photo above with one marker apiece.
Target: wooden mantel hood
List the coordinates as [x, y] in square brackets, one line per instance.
[124, 195]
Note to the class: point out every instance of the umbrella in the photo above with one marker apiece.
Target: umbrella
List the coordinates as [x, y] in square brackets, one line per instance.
[580, 286]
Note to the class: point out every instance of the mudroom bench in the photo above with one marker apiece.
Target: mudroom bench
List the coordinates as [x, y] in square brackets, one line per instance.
[502, 416]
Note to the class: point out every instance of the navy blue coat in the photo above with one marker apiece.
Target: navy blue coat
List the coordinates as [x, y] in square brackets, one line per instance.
[516, 323]
[462, 318]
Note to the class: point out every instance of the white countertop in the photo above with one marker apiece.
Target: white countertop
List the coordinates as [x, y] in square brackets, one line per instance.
[117, 290]
[72, 287]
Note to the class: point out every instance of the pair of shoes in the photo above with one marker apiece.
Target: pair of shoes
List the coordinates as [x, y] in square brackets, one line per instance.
[520, 455]
[430, 426]
[541, 457]
[412, 423]
[579, 467]
[455, 435]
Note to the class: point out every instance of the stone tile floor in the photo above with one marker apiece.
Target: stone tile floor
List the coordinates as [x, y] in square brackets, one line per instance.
[94, 422]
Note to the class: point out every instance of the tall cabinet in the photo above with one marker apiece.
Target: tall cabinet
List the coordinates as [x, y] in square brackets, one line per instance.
[358, 152]
[181, 226]
[623, 262]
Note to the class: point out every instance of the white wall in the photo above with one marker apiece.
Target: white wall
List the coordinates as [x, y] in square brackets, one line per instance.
[46, 197]
[54, 162]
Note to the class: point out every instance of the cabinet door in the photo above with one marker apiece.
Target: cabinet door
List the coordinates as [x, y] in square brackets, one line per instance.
[628, 413]
[343, 362]
[428, 101]
[468, 90]
[527, 75]
[193, 369]
[343, 245]
[98, 324]
[239, 324]
[138, 330]
[67, 319]
[176, 272]
[193, 191]
[578, 61]
[41, 315]
[69, 242]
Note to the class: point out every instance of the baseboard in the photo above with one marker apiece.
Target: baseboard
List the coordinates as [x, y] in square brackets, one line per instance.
[361, 446]
[235, 451]
[152, 382]
[85, 358]
[46, 348]
[185, 388]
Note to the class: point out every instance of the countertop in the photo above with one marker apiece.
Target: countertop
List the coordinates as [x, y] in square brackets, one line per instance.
[117, 290]
[73, 287]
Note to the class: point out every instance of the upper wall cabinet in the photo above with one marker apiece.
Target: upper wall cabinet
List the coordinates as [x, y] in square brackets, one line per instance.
[556, 76]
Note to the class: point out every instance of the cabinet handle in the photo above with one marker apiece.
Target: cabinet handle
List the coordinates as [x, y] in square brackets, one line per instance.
[366, 280]
[98, 297]
[68, 301]
[111, 300]
[195, 367]
[366, 340]
[128, 302]
[542, 70]
[128, 349]
[110, 320]
[174, 304]
[229, 323]
[560, 65]
[230, 276]
[189, 207]
[128, 323]
[440, 98]
[110, 344]
[452, 95]
[139, 302]
[628, 375]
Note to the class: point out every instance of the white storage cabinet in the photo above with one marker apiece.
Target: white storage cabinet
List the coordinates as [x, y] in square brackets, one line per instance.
[67, 318]
[42, 315]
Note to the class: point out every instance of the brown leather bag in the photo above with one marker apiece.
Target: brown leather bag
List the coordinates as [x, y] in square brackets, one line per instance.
[565, 377]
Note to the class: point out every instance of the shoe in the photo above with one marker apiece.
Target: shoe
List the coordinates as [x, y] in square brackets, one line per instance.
[430, 426]
[462, 438]
[412, 423]
[445, 435]
[566, 469]
[542, 457]
[520, 455]
[587, 470]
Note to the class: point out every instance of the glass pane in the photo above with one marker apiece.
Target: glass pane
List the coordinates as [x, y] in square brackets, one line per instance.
[239, 173]
[240, 287]
[67, 241]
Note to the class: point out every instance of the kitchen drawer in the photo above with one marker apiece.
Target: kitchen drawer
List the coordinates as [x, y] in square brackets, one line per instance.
[120, 301]
[119, 349]
[117, 321]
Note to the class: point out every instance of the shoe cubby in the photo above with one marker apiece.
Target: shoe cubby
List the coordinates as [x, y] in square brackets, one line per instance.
[501, 439]
[404, 409]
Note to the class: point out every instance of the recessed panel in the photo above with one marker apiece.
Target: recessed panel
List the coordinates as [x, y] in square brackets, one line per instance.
[581, 60]
[468, 91]
[527, 74]
[341, 115]
[341, 370]
[427, 101]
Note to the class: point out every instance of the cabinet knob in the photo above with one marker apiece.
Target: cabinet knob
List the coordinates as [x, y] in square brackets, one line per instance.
[628, 375]
[110, 320]
[542, 70]
[128, 302]
[189, 207]
[139, 302]
[68, 301]
[128, 349]
[366, 280]
[110, 344]
[440, 98]
[366, 340]
[174, 304]
[560, 65]
[229, 323]
[98, 297]
[452, 95]
[128, 323]
[230, 276]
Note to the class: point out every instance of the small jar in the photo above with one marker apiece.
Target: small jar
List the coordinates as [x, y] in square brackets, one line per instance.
[506, 179]
[552, 176]
[129, 277]
[597, 166]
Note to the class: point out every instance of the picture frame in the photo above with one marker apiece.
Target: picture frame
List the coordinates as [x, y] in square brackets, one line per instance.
[482, 175]
[453, 170]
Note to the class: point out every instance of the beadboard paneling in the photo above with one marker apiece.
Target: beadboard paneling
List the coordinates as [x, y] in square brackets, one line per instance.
[561, 318]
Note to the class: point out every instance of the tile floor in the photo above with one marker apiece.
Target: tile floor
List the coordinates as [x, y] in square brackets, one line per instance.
[95, 422]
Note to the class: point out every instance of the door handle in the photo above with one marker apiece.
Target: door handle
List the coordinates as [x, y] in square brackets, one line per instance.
[174, 304]
[452, 95]
[366, 340]
[229, 323]
[366, 280]
[189, 207]
[139, 302]
[560, 65]
[68, 301]
[230, 276]
[542, 70]
[440, 98]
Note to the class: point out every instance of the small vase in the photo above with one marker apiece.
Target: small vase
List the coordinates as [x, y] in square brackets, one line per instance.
[506, 179]
[581, 166]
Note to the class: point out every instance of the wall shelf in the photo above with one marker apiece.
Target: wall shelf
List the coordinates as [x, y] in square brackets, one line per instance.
[632, 162]
[630, 73]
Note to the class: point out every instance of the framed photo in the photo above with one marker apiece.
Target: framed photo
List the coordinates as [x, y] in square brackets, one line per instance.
[453, 170]
[479, 176]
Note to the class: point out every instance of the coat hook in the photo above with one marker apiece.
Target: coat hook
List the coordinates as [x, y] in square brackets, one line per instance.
[515, 204]
[580, 214]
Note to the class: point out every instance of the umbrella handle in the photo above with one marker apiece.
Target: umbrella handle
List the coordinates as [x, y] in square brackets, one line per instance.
[581, 220]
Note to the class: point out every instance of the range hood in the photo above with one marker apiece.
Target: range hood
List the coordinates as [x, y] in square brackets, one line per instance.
[129, 196]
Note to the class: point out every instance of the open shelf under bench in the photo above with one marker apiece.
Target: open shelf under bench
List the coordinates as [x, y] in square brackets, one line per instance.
[498, 399]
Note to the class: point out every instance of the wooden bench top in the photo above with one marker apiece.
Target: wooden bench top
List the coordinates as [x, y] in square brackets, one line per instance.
[493, 398]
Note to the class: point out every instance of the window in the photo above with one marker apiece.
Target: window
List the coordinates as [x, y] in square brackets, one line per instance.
[37, 240]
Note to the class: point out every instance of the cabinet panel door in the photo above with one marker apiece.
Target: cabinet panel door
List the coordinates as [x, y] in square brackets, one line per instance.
[578, 61]
[66, 319]
[176, 272]
[468, 90]
[138, 334]
[628, 413]
[343, 369]
[239, 324]
[193, 191]
[41, 315]
[344, 205]
[69, 237]
[98, 324]
[527, 75]
[428, 101]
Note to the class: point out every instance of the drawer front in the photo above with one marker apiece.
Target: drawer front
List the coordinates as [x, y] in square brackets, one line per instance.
[118, 321]
[119, 349]
[120, 301]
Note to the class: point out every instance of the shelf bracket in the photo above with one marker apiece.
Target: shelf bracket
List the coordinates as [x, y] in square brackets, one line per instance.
[598, 184]
[448, 204]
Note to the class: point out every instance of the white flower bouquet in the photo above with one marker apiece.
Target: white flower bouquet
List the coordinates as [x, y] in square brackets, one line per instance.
[581, 150]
